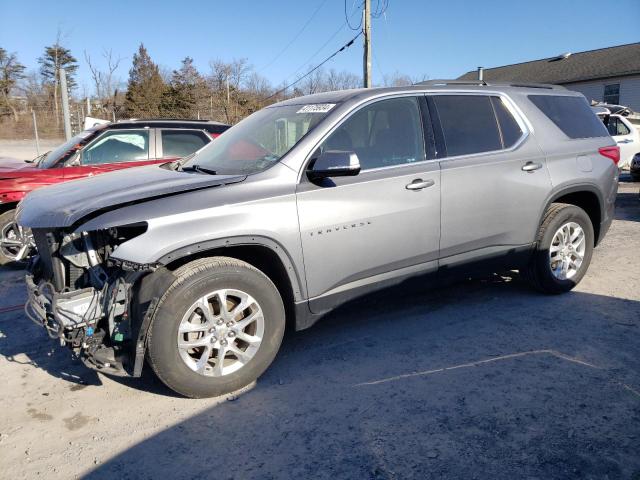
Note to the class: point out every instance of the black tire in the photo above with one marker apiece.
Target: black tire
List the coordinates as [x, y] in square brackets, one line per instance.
[539, 271]
[194, 280]
[6, 219]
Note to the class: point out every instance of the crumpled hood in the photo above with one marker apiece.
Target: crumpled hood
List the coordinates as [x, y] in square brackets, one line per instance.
[65, 204]
[13, 166]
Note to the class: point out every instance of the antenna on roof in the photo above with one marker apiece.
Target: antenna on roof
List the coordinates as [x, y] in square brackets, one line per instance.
[561, 57]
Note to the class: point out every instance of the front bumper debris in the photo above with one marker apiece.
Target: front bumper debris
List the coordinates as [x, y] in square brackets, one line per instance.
[72, 317]
[61, 312]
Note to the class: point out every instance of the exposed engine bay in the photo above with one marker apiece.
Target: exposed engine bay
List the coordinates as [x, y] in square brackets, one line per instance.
[82, 296]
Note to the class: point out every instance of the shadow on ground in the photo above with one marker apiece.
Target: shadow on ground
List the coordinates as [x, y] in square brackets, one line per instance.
[507, 384]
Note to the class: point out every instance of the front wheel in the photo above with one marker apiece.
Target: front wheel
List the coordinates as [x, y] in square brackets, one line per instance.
[15, 243]
[216, 329]
[563, 249]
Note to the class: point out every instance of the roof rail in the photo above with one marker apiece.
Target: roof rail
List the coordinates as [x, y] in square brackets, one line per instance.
[200, 120]
[483, 83]
[452, 82]
[548, 86]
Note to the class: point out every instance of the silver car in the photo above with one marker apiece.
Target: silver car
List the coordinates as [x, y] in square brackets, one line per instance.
[199, 265]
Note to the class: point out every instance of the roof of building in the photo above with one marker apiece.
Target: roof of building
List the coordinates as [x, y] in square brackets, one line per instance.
[607, 62]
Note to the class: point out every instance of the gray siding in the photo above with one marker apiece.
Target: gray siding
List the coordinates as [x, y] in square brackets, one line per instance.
[629, 90]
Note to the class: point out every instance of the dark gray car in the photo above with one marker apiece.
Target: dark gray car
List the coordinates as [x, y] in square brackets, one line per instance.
[306, 204]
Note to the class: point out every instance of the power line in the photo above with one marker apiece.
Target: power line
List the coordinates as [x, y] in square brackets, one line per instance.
[313, 15]
[303, 65]
[381, 8]
[347, 17]
[344, 47]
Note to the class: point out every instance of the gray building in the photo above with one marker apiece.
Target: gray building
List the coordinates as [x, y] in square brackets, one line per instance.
[610, 75]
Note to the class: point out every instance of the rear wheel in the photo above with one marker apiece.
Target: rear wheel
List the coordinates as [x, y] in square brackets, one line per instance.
[563, 250]
[15, 244]
[216, 329]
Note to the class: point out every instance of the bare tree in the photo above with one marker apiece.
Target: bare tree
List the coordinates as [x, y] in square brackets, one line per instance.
[342, 80]
[11, 70]
[104, 80]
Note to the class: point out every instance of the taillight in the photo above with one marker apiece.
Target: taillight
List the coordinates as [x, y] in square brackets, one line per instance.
[213, 135]
[612, 153]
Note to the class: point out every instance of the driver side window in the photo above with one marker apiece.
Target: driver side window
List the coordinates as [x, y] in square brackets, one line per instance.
[383, 134]
[117, 146]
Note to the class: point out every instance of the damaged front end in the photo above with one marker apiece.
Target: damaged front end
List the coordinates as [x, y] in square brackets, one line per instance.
[83, 297]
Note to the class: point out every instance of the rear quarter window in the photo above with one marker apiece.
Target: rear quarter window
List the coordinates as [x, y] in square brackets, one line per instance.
[572, 115]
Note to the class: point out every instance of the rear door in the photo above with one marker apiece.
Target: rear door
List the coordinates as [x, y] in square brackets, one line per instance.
[176, 143]
[625, 136]
[494, 177]
[114, 150]
[380, 225]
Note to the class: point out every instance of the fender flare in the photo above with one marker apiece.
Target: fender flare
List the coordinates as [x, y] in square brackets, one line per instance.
[297, 283]
[563, 190]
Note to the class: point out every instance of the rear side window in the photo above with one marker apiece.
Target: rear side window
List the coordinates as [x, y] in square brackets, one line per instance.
[509, 128]
[616, 127]
[468, 124]
[572, 115]
[180, 143]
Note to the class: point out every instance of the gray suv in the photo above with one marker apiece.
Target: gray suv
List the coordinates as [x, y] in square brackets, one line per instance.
[196, 265]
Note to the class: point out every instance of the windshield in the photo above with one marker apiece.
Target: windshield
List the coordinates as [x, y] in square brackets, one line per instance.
[259, 141]
[53, 156]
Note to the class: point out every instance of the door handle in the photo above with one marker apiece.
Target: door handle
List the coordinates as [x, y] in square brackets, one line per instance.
[625, 141]
[531, 166]
[419, 184]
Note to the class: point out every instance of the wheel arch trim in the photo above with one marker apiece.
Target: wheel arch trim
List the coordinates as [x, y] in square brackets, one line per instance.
[561, 191]
[297, 283]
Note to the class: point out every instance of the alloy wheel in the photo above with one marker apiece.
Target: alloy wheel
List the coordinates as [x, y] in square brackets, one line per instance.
[221, 332]
[15, 242]
[567, 250]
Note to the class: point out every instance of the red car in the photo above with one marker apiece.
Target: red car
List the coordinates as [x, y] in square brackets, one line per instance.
[98, 150]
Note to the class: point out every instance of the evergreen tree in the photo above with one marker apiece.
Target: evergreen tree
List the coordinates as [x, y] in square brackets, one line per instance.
[56, 57]
[146, 88]
[187, 87]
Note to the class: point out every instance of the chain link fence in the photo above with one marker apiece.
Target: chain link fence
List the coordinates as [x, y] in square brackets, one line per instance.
[28, 131]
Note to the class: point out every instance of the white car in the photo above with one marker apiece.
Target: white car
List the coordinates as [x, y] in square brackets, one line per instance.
[625, 134]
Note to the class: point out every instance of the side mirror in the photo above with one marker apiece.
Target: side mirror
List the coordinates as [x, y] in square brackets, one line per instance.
[334, 163]
[74, 161]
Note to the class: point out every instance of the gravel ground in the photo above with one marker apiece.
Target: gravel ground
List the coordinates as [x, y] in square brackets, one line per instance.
[483, 379]
[26, 149]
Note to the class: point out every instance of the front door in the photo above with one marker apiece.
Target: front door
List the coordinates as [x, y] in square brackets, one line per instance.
[114, 150]
[379, 226]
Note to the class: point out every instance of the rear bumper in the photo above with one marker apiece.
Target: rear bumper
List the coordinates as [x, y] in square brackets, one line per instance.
[609, 211]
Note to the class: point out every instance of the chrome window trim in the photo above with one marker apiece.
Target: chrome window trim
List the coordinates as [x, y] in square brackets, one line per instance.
[520, 118]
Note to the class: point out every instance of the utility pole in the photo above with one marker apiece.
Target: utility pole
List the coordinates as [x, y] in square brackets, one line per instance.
[366, 28]
[65, 104]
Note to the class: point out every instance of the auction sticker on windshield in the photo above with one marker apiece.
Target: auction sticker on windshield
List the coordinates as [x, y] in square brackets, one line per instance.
[317, 108]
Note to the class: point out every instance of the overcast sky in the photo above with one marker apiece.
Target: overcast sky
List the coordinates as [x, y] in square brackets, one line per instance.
[439, 39]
